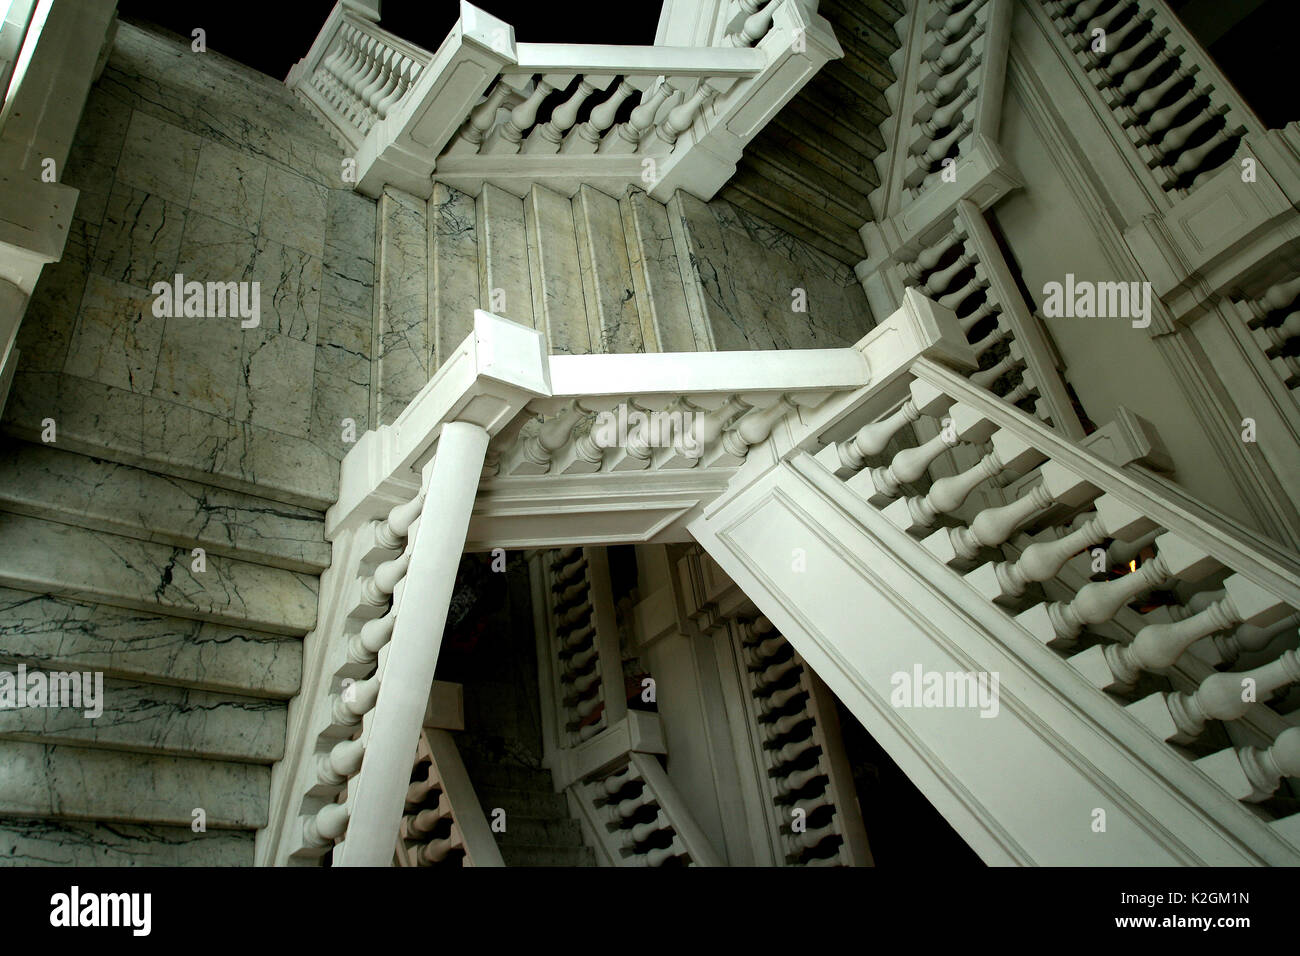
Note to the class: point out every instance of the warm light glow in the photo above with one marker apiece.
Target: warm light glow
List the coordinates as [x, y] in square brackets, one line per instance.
[1132, 565]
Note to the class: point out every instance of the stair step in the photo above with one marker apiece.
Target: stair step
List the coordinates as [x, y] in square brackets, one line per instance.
[118, 425]
[800, 134]
[44, 482]
[57, 633]
[509, 777]
[72, 843]
[864, 19]
[832, 95]
[837, 241]
[454, 292]
[524, 855]
[533, 803]
[505, 285]
[43, 556]
[792, 175]
[857, 179]
[72, 783]
[539, 831]
[616, 325]
[150, 718]
[830, 131]
[657, 275]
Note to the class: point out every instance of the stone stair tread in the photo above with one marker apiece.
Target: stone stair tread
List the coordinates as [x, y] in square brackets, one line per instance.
[161, 436]
[44, 556]
[74, 783]
[58, 633]
[857, 179]
[44, 482]
[843, 245]
[485, 774]
[512, 799]
[149, 718]
[787, 171]
[843, 102]
[529, 855]
[536, 831]
[76, 843]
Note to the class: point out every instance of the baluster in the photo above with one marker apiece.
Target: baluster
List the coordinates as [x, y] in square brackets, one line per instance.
[535, 453]
[1274, 338]
[937, 88]
[586, 137]
[1151, 97]
[954, 300]
[943, 118]
[1058, 623]
[628, 839]
[770, 678]
[481, 120]
[1181, 717]
[940, 147]
[629, 135]
[403, 77]
[1158, 646]
[510, 135]
[1081, 14]
[941, 281]
[988, 307]
[436, 851]
[343, 760]
[1010, 454]
[1277, 297]
[548, 136]
[1104, 21]
[1123, 61]
[1115, 40]
[952, 54]
[956, 25]
[682, 118]
[1251, 773]
[797, 781]
[929, 257]
[419, 825]
[617, 813]
[754, 29]
[377, 588]
[851, 456]
[326, 826]
[753, 427]
[659, 857]
[1192, 158]
[355, 701]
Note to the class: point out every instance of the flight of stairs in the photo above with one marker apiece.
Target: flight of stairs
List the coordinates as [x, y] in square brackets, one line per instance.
[810, 170]
[97, 573]
[501, 745]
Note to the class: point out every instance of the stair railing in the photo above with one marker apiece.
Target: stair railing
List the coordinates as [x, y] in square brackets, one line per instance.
[442, 821]
[485, 108]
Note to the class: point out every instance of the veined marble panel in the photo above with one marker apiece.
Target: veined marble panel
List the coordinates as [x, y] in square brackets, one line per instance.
[453, 268]
[289, 290]
[607, 275]
[44, 482]
[159, 157]
[157, 719]
[58, 633]
[72, 843]
[401, 326]
[139, 239]
[745, 273]
[657, 275]
[137, 429]
[275, 391]
[46, 328]
[42, 556]
[505, 284]
[556, 275]
[117, 337]
[341, 388]
[215, 251]
[229, 185]
[350, 223]
[76, 783]
[293, 211]
[199, 364]
[92, 159]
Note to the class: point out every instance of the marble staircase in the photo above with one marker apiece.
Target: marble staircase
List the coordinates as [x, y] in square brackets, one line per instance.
[810, 170]
[98, 574]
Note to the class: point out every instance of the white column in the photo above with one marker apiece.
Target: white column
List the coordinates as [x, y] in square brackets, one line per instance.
[413, 651]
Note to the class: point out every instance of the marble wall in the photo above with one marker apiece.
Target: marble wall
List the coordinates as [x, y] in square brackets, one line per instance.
[190, 163]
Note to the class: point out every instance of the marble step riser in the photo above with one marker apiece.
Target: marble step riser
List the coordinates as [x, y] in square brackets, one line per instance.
[539, 831]
[54, 633]
[548, 856]
[526, 802]
[46, 557]
[839, 243]
[148, 718]
[69, 843]
[69, 783]
[103, 496]
[818, 193]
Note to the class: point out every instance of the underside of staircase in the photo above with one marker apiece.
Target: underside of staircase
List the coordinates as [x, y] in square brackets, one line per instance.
[810, 170]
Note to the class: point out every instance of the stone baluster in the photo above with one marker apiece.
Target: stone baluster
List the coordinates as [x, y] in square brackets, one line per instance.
[944, 117]
[883, 484]
[773, 704]
[1115, 40]
[481, 120]
[1000, 332]
[387, 67]
[628, 136]
[987, 307]
[1159, 646]
[1276, 297]
[795, 782]
[769, 680]
[1172, 141]
[1010, 455]
[418, 791]
[436, 851]
[1249, 638]
[659, 856]
[1106, 21]
[786, 724]
[936, 88]
[570, 619]
[850, 456]
[791, 752]
[929, 257]
[681, 118]
[1120, 553]
[977, 283]
[986, 377]
[629, 839]
[510, 135]
[354, 701]
[533, 455]
[940, 148]
[365, 645]
[1181, 717]
[753, 427]
[325, 826]
[1155, 127]
[616, 782]
[1080, 15]
[942, 280]
[1190, 161]
[403, 78]
[1059, 623]
[419, 825]
[585, 138]
[1151, 97]
[1274, 339]
[548, 136]
[754, 29]
[616, 814]
[1251, 773]
[709, 425]
[956, 25]
[1113, 72]
[809, 839]
[341, 762]
[1026, 387]
[378, 588]
[949, 56]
